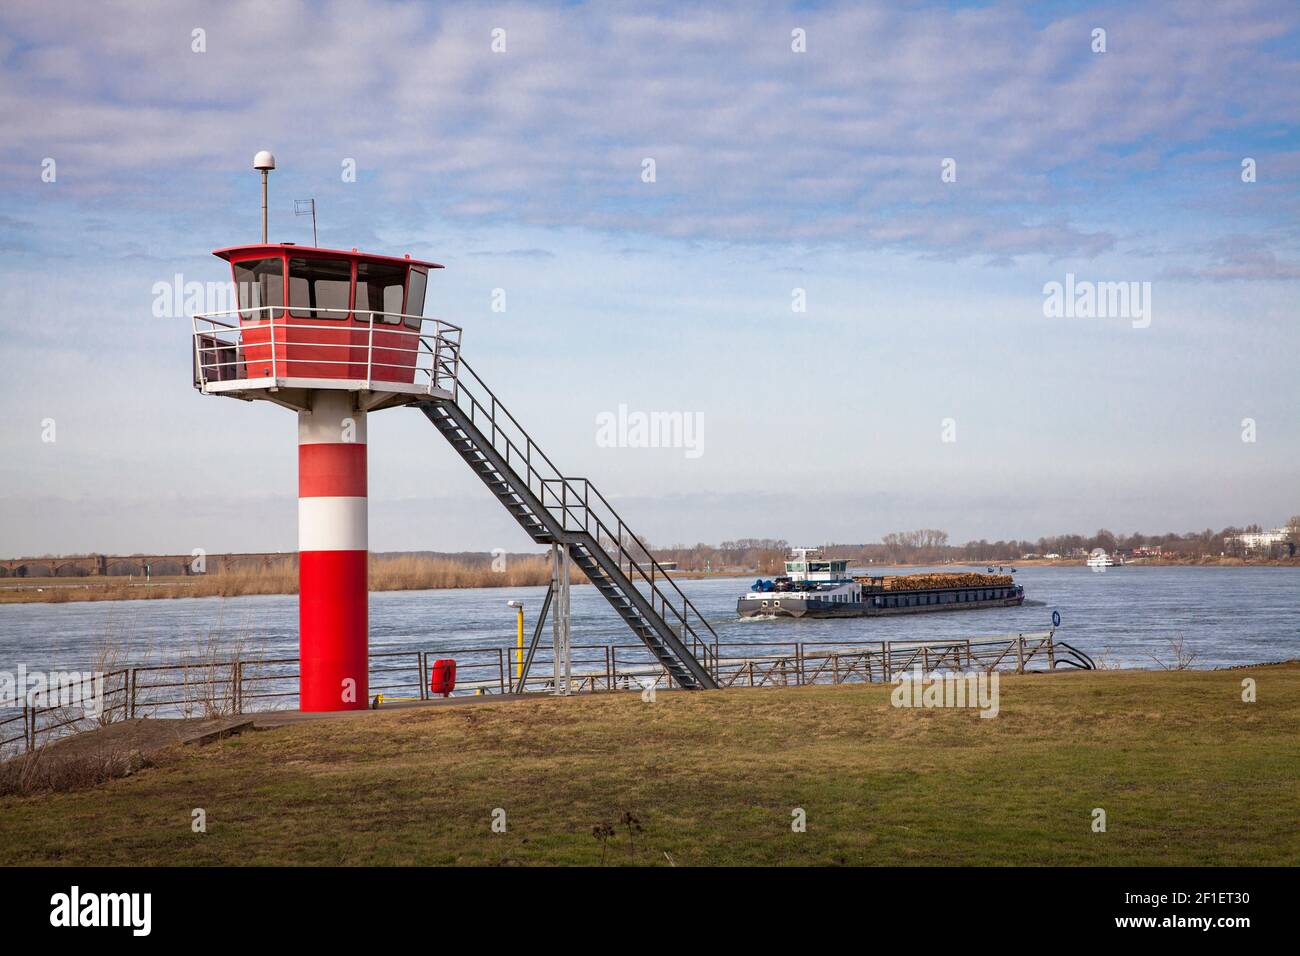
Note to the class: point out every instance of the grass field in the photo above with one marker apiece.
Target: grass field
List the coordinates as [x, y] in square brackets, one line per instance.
[1186, 772]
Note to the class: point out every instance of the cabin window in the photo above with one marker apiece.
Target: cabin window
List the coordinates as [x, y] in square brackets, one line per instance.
[259, 283]
[379, 291]
[319, 288]
[415, 297]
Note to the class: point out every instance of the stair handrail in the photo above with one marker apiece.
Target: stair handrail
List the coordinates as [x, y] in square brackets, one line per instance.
[526, 453]
[632, 560]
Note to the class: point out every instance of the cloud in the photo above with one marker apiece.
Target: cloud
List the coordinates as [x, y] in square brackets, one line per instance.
[752, 141]
[1240, 257]
[515, 254]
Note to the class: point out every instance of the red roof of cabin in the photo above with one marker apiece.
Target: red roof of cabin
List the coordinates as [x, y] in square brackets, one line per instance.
[278, 248]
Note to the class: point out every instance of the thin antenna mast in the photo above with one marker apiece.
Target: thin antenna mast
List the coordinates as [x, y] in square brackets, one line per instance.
[303, 207]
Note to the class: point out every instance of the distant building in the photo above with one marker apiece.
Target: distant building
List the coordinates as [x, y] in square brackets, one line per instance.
[1153, 551]
[1251, 542]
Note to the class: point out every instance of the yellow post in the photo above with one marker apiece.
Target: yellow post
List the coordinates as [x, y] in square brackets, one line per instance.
[519, 646]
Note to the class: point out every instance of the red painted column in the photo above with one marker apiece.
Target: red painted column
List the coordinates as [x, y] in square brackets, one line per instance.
[333, 599]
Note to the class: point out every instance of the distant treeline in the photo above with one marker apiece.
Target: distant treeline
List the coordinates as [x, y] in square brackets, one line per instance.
[759, 555]
[928, 546]
[931, 546]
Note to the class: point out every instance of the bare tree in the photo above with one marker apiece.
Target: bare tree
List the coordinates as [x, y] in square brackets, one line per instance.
[1184, 655]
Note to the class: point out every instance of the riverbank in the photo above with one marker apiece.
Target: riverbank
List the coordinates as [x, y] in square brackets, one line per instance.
[404, 573]
[1224, 561]
[1186, 772]
[418, 573]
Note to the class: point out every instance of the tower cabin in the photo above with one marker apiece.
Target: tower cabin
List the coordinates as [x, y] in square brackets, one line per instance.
[310, 319]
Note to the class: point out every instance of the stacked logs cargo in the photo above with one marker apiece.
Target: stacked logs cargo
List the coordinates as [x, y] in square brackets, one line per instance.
[918, 582]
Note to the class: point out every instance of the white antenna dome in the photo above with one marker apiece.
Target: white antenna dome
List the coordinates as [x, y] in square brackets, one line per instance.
[264, 160]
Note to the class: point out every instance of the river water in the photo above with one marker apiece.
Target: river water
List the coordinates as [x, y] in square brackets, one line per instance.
[1125, 616]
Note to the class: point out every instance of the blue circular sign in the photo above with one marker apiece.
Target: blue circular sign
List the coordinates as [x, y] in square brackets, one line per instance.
[1056, 619]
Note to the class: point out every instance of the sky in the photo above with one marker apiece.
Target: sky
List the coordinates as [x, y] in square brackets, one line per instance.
[839, 271]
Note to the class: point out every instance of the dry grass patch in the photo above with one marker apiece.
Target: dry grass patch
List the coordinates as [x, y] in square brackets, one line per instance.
[404, 573]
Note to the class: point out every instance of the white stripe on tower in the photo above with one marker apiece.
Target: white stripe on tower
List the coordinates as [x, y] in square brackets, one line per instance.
[333, 551]
[332, 524]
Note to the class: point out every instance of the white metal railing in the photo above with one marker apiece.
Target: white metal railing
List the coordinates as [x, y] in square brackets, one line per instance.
[425, 357]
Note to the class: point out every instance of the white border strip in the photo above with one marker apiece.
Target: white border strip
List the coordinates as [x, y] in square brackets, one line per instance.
[332, 524]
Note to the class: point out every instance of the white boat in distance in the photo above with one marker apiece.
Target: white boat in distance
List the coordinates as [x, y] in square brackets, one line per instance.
[1099, 559]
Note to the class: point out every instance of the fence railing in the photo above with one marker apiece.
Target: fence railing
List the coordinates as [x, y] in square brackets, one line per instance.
[210, 689]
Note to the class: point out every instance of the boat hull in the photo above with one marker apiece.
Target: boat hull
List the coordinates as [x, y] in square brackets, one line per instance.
[776, 605]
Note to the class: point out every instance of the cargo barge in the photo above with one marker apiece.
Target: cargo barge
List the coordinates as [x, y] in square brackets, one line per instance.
[814, 586]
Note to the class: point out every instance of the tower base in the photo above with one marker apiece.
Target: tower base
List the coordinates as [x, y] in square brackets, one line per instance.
[333, 577]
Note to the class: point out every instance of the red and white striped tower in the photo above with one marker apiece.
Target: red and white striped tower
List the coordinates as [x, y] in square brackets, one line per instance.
[330, 334]
[333, 618]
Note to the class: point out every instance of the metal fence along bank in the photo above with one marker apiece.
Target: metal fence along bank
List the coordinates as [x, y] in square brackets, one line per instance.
[211, 689]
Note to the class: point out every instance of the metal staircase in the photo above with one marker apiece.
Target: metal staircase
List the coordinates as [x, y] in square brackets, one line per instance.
[570, 512]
